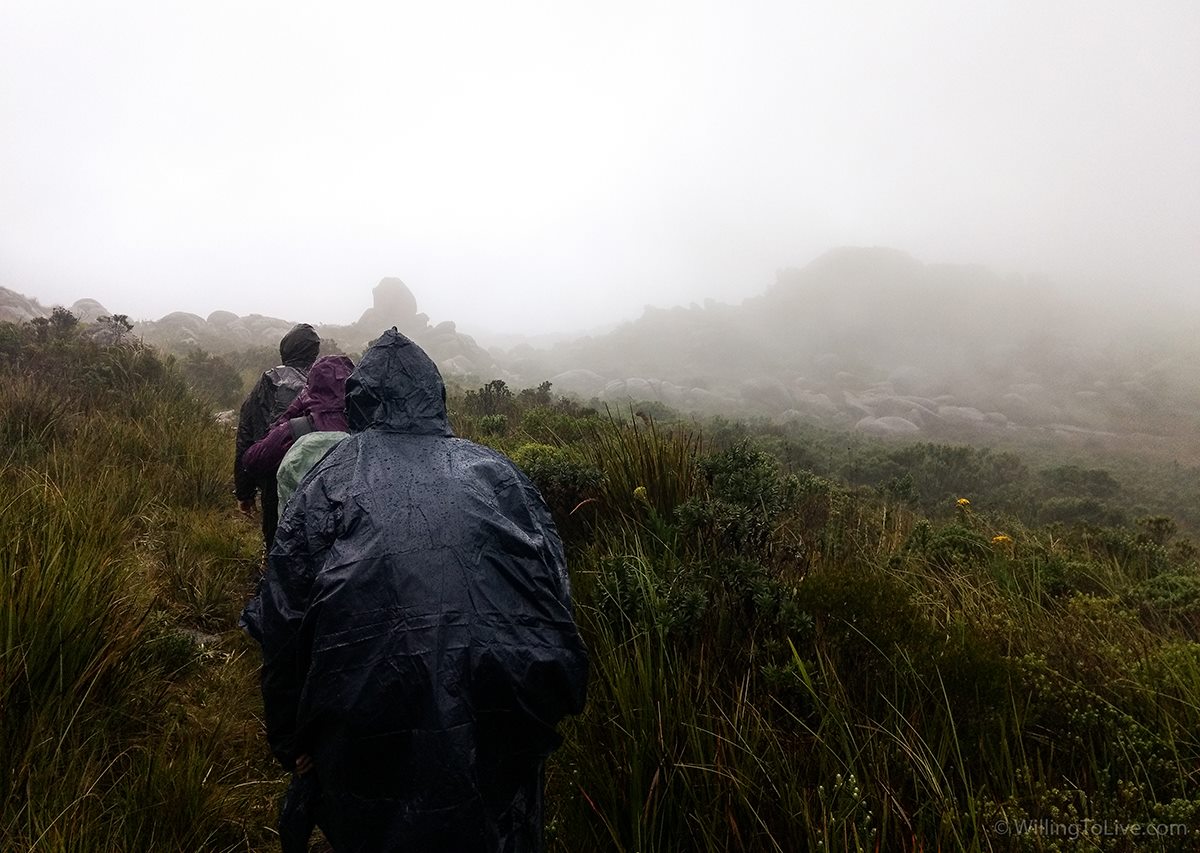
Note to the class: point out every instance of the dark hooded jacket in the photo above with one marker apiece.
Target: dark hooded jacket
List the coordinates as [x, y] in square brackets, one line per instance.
[275, 390]
[271, 395]
[417, 633]
[322, 403]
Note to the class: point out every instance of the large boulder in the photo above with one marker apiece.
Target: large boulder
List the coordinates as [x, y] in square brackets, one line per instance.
[856, 405]
[814, 403]
[182, 318]
[237, 333]
[636, 388]
[88, 310]
[632, 388]
[579, 381]
[222, 318]
[962, 416]
[393, 305]
[909, 408]
[766, 393]
[392, 296]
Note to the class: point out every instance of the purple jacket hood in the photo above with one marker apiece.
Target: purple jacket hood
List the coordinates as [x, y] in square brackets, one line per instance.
[324, 396]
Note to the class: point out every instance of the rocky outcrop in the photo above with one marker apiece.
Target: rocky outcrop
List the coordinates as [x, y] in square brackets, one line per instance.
[224, 332]
[16, 308]
[393, 304]
[221, 332]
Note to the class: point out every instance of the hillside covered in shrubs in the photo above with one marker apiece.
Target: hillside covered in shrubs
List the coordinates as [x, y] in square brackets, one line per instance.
[800, 638]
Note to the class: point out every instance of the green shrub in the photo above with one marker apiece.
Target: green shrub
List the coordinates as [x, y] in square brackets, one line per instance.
[551, 426]
[565, 480]
[1079, 510]
[633, 591]
[1074, 481]
[1133, 556]
[493, 425]
[494, 398]
[957, 547]
[1171, 598]
[740, 509]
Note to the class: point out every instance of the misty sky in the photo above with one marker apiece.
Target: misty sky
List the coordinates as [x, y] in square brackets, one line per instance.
[547, 166]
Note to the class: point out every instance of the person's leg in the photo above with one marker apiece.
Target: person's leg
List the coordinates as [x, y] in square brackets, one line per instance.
[270, 512]
[517, 814]
[298, 814]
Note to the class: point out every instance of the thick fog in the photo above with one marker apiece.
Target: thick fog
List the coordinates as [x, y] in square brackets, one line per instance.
[554, 166]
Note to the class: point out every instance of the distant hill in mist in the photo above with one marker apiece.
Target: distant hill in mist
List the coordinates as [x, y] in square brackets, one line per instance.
[873, 340]
[867, 339]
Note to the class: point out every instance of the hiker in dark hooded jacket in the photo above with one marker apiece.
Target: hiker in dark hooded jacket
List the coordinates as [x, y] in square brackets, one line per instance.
[418, 641]
[270, 397]
[320, 407]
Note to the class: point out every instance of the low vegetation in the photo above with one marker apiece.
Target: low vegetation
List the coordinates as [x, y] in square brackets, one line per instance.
[129, 720]
[798, 641]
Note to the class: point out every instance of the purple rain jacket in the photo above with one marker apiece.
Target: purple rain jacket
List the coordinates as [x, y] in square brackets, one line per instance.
[323, 402]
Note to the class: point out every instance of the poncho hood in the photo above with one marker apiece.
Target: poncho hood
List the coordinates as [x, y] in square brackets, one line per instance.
[397, 388]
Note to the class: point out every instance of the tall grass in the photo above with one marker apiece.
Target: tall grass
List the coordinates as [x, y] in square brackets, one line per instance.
[634, 454]
[935, 681]
[779, 662]
[110, 491]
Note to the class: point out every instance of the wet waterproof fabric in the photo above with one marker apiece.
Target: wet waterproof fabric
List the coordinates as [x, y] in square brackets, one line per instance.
[301, 457]
[324, 397]
[297, 462]
[417, 633]
[322, 403]
[298, 814]
[271, 395]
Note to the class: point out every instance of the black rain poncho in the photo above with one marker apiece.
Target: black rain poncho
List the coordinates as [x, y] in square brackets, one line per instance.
[416, 626]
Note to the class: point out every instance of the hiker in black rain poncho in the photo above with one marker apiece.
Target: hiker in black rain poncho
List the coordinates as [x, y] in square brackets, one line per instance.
[417, 633]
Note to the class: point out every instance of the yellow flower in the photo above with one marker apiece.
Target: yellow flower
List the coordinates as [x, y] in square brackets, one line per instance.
[641, 494]
[963, 503]
[1001, 539]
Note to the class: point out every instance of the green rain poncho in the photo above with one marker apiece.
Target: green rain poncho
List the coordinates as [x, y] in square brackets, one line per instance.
[301, 456]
